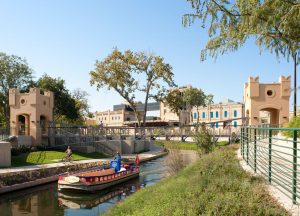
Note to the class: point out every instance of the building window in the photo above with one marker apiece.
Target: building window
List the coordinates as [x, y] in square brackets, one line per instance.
[217, 114]
[195, 115]
[105, 118]
[217, 124]
[234, 113]
[235, 124]
[203, 115]
[211, 114]
[212, 125]
[119, 118]
[225, 114]
[112, 118]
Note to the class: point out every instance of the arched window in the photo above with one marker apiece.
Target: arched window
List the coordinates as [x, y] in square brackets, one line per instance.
[234, 113]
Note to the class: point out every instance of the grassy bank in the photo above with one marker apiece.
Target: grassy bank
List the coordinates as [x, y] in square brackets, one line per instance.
[45, 157]
[176, 145]
[215, 185]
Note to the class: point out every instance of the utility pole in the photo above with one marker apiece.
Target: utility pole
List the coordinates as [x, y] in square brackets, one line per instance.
[295, 84]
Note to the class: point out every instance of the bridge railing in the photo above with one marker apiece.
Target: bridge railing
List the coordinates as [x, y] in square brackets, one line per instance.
[274, 153]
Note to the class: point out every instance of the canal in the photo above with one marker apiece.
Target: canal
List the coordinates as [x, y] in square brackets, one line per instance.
[46, 200]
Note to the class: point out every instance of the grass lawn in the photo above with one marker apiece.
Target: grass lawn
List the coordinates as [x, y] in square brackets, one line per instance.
[44, 157]
[214, 185]
[176, 145]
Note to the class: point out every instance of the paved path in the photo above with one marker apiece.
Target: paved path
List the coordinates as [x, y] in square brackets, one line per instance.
[143, 157]
[282, 168]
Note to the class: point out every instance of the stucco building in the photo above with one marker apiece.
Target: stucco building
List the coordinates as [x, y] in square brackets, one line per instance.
[30, 114]
[268, 97]
[220, 113]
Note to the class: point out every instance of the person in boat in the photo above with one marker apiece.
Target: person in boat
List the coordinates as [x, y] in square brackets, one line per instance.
[118, 156]
[137, 160]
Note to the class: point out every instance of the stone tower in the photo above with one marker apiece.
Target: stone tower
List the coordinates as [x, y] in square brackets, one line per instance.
[271, 97]
[30, 114]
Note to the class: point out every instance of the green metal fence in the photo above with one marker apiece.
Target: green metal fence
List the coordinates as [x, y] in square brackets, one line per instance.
[4, 134]
[273, 153]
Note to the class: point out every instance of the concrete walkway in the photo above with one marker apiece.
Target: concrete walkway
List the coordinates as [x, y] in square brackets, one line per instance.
[150, 155]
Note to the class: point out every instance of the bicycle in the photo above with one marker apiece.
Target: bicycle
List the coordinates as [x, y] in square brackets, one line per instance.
[67, 158]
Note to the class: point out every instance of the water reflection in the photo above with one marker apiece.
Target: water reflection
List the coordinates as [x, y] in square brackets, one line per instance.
[46, 200]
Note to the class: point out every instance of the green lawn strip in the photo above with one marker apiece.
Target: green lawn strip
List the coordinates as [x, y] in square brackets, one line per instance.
[45, 157]
[214, 185]
[176, 145]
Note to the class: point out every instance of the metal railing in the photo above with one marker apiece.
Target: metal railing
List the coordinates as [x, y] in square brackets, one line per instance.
[4, 134]
[273, 153]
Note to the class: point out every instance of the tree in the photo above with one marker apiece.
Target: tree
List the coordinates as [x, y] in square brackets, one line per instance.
[273, 23]
[65, 107]
[115, 72]
[179, 100]
[81, 102]
[14, 73]
[121, 72]
[155, 70]
[175, 101]
[195, 98]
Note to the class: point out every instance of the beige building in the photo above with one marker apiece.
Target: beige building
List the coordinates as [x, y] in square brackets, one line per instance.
[268, 97]
[219, 113]
[115, 118]
[30, 114]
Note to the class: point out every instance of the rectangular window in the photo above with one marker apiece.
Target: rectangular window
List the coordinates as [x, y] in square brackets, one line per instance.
[217, 124]
[211, 114]
[217, 114]
[195, 115]
[234, 113]
[225, 114]
[203, 115]
[235, 124]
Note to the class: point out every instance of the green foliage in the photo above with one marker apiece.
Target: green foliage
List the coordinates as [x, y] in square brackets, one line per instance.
[214, 185]
[293, 123]
[14, 73]
[175, 101]
[124, 71]
[177, 145]
[45, 157]
[64, 104]
[273, 23]
[203, 140]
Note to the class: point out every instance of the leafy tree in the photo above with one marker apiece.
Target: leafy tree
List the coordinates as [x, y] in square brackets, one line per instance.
[155, 70]
[175, 101]
[115, 72]
[273, 23]
[81, 101]
[121, 72]
[203, 140]
[65, 107]
[195, 98]
[14, 73]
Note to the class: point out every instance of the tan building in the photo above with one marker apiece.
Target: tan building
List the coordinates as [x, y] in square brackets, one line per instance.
[30, 114]
[115, 118]
[219, 113]
[270, 97]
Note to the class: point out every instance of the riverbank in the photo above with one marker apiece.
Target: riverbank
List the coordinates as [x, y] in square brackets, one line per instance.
[214, 185]
[17, 178]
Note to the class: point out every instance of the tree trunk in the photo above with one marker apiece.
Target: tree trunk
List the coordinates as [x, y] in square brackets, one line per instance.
[295, 84]
[146, 105]
[197, 116]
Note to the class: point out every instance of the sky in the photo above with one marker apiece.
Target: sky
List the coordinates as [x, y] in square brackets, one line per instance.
[65, 38]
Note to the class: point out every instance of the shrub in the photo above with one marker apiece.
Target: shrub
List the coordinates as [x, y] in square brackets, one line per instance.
[294, 123]
[203, 140]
